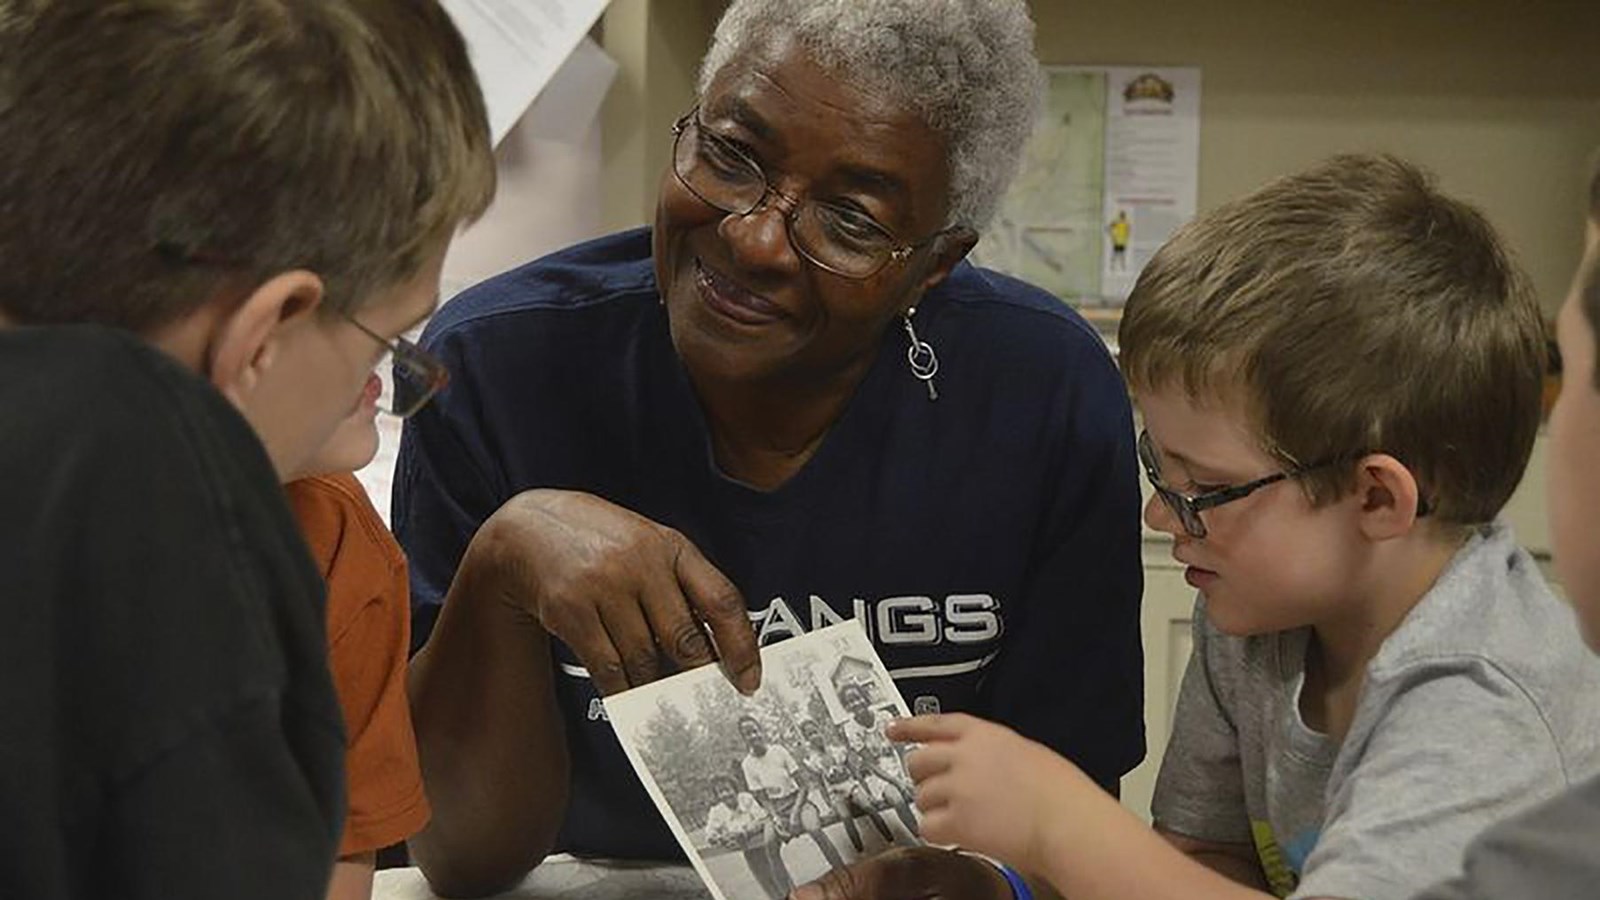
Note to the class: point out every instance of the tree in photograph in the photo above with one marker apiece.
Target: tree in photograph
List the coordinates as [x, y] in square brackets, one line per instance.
[671, 746]
[718, 708]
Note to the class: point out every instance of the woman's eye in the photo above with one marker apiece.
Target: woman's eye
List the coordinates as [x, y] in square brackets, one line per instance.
[724, 156]
[852, 225]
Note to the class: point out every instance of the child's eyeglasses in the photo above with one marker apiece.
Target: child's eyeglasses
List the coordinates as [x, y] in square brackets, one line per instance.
[415, 377]
[1188, 508]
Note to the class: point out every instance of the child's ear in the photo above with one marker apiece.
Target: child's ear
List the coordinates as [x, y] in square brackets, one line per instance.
[1389, 495]
[245, 342]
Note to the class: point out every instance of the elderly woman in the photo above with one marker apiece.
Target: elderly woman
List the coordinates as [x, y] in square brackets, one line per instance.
[789, 402]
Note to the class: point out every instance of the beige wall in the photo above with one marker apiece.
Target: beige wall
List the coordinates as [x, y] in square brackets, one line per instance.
[658, 45]
[1501, 98]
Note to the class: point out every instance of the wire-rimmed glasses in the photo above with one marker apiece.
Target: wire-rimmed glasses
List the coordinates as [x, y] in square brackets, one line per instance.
[834, 237]
[415, 377]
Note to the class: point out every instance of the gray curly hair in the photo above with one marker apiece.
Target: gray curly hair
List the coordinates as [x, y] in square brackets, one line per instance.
[967, 67]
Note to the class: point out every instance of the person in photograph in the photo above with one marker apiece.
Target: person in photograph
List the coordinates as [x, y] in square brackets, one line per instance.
[655, 438]
[736, 821]
[1120, 230]
[770, 772]
[878, 760]
[830, 764]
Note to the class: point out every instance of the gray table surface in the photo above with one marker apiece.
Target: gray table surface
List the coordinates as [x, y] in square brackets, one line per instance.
[566, 878]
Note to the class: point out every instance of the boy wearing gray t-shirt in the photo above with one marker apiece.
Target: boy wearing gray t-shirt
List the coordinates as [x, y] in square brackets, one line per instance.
[1340, 379]
[1478, 703]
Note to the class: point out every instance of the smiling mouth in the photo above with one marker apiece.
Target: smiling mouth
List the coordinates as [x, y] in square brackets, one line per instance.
[731, 301]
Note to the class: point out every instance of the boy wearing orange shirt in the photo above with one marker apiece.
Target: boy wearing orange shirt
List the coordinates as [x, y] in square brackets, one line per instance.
[369, 630]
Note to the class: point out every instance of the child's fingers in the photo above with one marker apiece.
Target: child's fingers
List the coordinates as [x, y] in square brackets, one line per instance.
[939, 827]
[922, 729]
[928, 760]
[932, 796]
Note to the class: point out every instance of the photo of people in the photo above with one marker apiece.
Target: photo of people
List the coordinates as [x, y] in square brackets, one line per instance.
[770, 791]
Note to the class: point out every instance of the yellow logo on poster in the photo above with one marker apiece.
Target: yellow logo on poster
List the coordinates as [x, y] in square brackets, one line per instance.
[1148, 86]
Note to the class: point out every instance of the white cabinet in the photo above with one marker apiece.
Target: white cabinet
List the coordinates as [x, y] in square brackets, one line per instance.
[1168, 605]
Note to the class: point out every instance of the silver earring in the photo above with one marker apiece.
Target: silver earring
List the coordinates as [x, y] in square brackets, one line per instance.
[924, 364]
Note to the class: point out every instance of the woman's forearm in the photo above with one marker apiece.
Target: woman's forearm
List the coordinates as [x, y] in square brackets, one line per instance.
[489, 734]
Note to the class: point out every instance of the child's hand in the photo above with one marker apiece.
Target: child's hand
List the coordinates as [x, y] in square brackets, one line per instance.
[984, 787]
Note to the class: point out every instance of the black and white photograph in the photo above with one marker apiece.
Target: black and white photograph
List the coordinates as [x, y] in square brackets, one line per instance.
[768, 792]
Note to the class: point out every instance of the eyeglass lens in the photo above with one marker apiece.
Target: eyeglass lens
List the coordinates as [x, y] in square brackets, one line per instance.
[410, 380]
[1187, 515]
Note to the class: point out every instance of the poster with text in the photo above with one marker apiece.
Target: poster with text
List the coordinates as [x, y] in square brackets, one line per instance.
[1111, 172]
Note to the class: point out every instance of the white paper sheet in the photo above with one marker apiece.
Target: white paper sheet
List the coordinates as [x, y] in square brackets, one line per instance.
[517, 46]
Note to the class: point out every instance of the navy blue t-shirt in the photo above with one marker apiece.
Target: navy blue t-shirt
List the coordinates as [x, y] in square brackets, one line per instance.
[988, 540]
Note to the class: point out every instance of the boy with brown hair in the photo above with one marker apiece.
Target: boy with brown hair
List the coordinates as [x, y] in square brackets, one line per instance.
[1339, 377]
[218, 214]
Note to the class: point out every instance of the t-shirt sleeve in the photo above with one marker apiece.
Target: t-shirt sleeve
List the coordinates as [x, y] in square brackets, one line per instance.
[178, 829]
[384, 778]
[368, 628]
[1548, 852]
[1458, 746]
[1071, 673]
[446, 484]
[786, 759]
[1200, 787]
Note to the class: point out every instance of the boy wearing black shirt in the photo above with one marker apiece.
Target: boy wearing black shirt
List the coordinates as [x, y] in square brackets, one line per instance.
[219, 215]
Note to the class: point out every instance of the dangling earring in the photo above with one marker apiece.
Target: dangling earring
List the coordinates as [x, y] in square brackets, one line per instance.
[924, 364]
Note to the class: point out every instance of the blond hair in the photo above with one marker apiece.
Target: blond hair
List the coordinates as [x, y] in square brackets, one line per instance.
[156, 149]
[1359, 310]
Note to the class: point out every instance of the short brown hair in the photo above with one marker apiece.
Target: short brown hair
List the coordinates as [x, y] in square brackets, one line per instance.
[1360, 310]
[347, 137]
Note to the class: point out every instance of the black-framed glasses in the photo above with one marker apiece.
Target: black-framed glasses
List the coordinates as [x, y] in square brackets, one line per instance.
[415, 376]
[834, 237]
[1188, 509]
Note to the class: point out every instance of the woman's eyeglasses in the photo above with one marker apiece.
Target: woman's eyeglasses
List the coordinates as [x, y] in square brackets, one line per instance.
[836, 237]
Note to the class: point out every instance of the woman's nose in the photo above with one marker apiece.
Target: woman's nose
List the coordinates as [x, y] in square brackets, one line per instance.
[760, 239]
